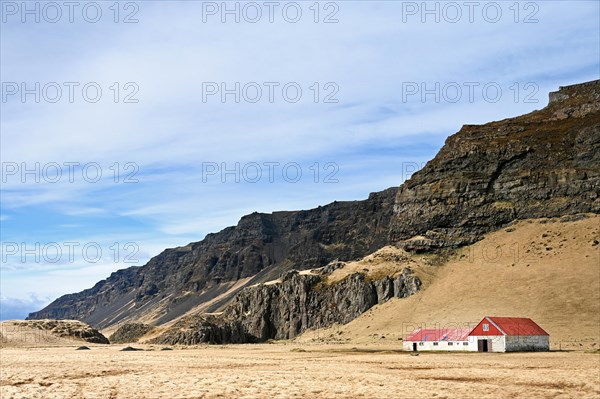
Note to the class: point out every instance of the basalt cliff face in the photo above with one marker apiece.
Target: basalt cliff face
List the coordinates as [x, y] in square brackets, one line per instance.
[287, 308]
[543, 164]
[301, 302]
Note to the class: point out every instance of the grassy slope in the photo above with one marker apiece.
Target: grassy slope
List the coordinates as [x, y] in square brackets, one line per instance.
[547, 270]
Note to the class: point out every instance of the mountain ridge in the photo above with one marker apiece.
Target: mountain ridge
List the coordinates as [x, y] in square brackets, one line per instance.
[260, 247]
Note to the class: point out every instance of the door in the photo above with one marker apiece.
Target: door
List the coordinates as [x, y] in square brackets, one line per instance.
[482, 345]
[414, 346]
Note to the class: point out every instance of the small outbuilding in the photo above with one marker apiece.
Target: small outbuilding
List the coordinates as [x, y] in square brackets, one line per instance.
[492, 334]
[509, 334]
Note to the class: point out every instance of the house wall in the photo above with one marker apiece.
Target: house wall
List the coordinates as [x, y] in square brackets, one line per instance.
[498, 342]
[441, 346]
[527, 343]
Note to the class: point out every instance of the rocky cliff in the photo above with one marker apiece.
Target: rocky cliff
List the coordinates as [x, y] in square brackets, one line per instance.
[301, 302]
[543, 164]
[287, 308]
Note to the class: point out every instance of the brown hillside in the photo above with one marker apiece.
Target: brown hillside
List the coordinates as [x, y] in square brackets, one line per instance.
[545, 269]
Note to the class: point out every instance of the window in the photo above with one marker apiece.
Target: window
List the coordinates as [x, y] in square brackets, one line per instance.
[465, 343]
[486, 327]
[435, 343]
[421, 344]
[450, 343]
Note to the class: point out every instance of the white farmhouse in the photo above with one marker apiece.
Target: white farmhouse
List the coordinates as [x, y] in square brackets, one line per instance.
[492, 334]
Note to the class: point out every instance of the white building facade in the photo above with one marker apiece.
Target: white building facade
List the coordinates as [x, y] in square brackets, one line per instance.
[492, 334]
[445, 339]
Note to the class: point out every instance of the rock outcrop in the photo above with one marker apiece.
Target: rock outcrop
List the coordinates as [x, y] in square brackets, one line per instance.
[130, 332]
[204, 330]
[301, 302]
[287, 308]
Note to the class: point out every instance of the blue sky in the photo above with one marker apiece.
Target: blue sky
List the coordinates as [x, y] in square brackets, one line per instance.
[362, 118]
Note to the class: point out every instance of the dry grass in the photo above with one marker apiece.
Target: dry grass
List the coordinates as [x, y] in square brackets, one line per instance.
[385, 262]
[292, 371]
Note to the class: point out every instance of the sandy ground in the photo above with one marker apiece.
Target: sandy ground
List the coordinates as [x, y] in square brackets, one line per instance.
[293, 371]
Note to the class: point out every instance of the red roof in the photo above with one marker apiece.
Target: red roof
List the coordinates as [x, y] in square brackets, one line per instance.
[520, 326]
[444, 334]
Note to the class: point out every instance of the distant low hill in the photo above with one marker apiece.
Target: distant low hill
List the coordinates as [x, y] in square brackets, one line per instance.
[48, 333]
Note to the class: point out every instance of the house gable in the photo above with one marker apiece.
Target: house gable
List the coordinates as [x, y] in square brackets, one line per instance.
[486, 327]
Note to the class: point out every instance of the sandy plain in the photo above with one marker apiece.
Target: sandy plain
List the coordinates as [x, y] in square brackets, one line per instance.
[292, 370]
